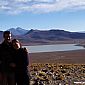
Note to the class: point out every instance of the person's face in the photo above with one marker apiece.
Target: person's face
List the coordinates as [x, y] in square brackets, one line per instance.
[16, 45]
[7, 37]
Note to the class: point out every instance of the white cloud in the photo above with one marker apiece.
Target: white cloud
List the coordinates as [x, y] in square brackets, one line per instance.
[22, 0]
[40, 6]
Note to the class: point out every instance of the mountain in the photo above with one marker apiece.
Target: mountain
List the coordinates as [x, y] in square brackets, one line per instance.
[18, 31]
[54, 34]
[50, 35]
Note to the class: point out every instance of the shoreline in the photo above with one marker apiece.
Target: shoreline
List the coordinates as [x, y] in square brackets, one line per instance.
[71, 41]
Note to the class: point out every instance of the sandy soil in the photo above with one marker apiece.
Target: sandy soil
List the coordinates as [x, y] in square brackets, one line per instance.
[71, 57]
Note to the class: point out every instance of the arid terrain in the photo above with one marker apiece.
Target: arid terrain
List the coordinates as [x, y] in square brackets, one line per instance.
[71, 57]
[58, 68]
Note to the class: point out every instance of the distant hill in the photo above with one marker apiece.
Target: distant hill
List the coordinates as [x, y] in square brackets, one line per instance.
[54, 35]
[50, 35]
[18, 31]
[43, 36]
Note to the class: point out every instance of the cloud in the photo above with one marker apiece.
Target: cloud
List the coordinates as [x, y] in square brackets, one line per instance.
[40, 6]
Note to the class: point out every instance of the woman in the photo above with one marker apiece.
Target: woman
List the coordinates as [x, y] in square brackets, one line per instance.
[22, 62]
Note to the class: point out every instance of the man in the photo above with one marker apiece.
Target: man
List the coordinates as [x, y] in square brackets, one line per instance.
[7, 64]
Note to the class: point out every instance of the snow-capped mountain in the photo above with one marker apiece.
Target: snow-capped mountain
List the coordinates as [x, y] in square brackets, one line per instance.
[18, 31]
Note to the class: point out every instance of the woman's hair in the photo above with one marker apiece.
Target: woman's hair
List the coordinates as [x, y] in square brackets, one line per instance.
[16, 40]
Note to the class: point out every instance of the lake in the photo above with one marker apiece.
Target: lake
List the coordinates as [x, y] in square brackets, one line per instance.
[52, 48]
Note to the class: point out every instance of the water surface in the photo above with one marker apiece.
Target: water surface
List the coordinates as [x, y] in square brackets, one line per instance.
[52, 48]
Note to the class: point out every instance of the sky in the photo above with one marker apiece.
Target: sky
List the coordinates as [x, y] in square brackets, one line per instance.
[66, 15]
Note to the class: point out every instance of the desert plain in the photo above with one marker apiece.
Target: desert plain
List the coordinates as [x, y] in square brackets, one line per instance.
[64, 57]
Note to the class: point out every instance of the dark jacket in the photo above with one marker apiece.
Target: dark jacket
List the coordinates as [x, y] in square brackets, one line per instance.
[22, 60]
[6, 56]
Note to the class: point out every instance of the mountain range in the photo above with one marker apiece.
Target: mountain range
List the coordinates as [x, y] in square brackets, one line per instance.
[43, 36]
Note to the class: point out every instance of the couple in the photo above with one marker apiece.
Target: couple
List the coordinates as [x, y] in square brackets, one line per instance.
[13, 62]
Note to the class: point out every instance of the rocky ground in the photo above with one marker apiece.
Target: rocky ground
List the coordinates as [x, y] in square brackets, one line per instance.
[58, 68]
[57, 74]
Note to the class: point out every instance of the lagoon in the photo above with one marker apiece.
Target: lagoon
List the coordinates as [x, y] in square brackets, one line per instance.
[52, 48]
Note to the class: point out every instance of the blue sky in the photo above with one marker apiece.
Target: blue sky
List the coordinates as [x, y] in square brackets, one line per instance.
[43, 14]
